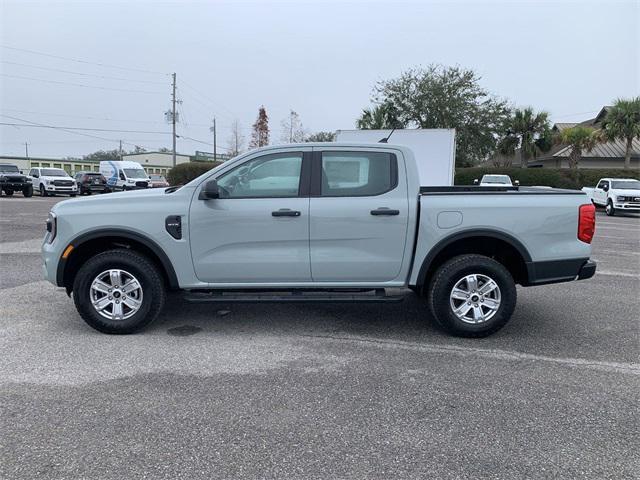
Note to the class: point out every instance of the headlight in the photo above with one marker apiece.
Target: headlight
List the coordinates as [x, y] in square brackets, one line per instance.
[131, 181]
[49, 182]
[621, 199]
[52, 227]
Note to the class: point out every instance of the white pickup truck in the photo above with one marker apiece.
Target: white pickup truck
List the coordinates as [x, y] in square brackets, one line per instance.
[615, 194]
[317, 222]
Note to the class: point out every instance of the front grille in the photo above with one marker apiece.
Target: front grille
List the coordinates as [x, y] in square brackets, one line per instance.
[15, 179]
[142, 184]
[63, 183]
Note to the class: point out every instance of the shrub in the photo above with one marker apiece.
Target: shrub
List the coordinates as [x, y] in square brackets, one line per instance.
[185, 172]
[552, 177]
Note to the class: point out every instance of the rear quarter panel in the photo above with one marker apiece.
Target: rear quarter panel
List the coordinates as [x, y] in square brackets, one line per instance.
[545, 224]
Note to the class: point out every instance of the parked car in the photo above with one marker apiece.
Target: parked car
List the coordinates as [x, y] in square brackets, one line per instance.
[495, 180]
[12, 180]
[158, 181]
[334, 222]
[124, 175]
[52, 181]
[615, 194]
[91, 182]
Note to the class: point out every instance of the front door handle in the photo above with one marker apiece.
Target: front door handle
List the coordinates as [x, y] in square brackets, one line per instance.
[385, 211]
[285, 212]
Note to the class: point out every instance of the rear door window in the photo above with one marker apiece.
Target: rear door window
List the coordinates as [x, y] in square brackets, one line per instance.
[357, 174]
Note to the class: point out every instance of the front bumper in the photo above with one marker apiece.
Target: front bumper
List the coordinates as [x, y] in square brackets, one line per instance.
[59, 189]
[631, 206]
[14, 185]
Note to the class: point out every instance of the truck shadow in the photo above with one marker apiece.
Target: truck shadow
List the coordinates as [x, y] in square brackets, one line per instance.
[409, 320]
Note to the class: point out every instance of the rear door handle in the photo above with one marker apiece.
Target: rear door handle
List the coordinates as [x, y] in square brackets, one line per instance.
[285, 212]
[385, 211]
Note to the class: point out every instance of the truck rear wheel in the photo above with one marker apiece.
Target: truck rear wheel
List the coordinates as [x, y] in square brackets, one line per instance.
[119, 291]
[472, 296]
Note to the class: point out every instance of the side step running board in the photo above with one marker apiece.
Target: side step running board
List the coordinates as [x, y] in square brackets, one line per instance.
[221, 296]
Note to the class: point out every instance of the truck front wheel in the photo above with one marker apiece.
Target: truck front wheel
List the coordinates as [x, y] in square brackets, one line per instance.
[119, 291]
[472, 296]
[609, 209]
[28, 191]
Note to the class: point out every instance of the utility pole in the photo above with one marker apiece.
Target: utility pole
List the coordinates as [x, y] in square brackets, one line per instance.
[120, 151]
[173, 116]
[291, 127]
[215, 153]
[26, 150]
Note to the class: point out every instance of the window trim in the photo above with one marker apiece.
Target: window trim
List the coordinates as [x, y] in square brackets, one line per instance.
[316, 174]
[303, 183]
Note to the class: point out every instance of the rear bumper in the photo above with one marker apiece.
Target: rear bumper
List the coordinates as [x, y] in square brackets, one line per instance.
[556, 271]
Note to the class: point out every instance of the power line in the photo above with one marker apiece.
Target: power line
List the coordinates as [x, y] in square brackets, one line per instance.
[106, 65]
[199, 141]
[85, 117]
[211, 101]
[82, 128]
[78, 84]
[106, 77]
[73, 132]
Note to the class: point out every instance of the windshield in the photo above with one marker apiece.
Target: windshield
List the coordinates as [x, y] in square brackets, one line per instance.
[496, 179]
[9, 169]
[53, 172]
[627, 184]
[135, 173]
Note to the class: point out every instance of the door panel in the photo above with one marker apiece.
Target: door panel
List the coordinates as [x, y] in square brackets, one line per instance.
[240, 241]
[354, 236]
[258, 232]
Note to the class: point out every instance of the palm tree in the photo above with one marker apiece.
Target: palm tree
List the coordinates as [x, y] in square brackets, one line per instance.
[623, 123]
[579, 139]
[378, 117]
[533, 131]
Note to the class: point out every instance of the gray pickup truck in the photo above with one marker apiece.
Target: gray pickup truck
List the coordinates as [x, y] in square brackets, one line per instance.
[317, 223]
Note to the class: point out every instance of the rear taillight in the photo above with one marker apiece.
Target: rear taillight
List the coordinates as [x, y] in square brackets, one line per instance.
[586, 222]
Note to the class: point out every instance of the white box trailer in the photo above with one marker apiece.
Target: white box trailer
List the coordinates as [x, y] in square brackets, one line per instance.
[434, 150]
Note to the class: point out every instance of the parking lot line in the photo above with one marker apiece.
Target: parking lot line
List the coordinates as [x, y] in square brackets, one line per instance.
[617, 367]
[617, 274]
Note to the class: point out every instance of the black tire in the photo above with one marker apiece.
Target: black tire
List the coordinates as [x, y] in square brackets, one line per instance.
[28, 191]
[136, 264]
[609, 209]
[43, 192]
[72, 194]
[8, 192]
[448, 276]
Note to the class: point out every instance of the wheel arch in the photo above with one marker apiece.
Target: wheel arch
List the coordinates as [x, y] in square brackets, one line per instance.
[88, 244]
[504, 248]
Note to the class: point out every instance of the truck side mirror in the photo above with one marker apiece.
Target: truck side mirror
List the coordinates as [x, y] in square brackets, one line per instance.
[21, 172]
[517, 183]
[209, 191]
[476, 181]
[605, 188]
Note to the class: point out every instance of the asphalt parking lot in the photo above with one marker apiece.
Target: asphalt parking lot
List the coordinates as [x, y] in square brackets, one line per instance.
[320, 391]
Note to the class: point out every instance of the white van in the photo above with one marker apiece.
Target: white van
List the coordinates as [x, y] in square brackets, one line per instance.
[124, 175]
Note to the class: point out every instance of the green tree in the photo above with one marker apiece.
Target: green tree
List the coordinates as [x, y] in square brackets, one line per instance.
[528, 131]
[443, 97]
[260, 130]
[579, 139]
[321, 137]
[622, 122]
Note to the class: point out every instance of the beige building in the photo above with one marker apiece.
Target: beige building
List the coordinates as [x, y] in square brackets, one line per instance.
[152, 162]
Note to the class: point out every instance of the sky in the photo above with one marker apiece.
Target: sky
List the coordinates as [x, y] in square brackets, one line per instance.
[107, 65]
